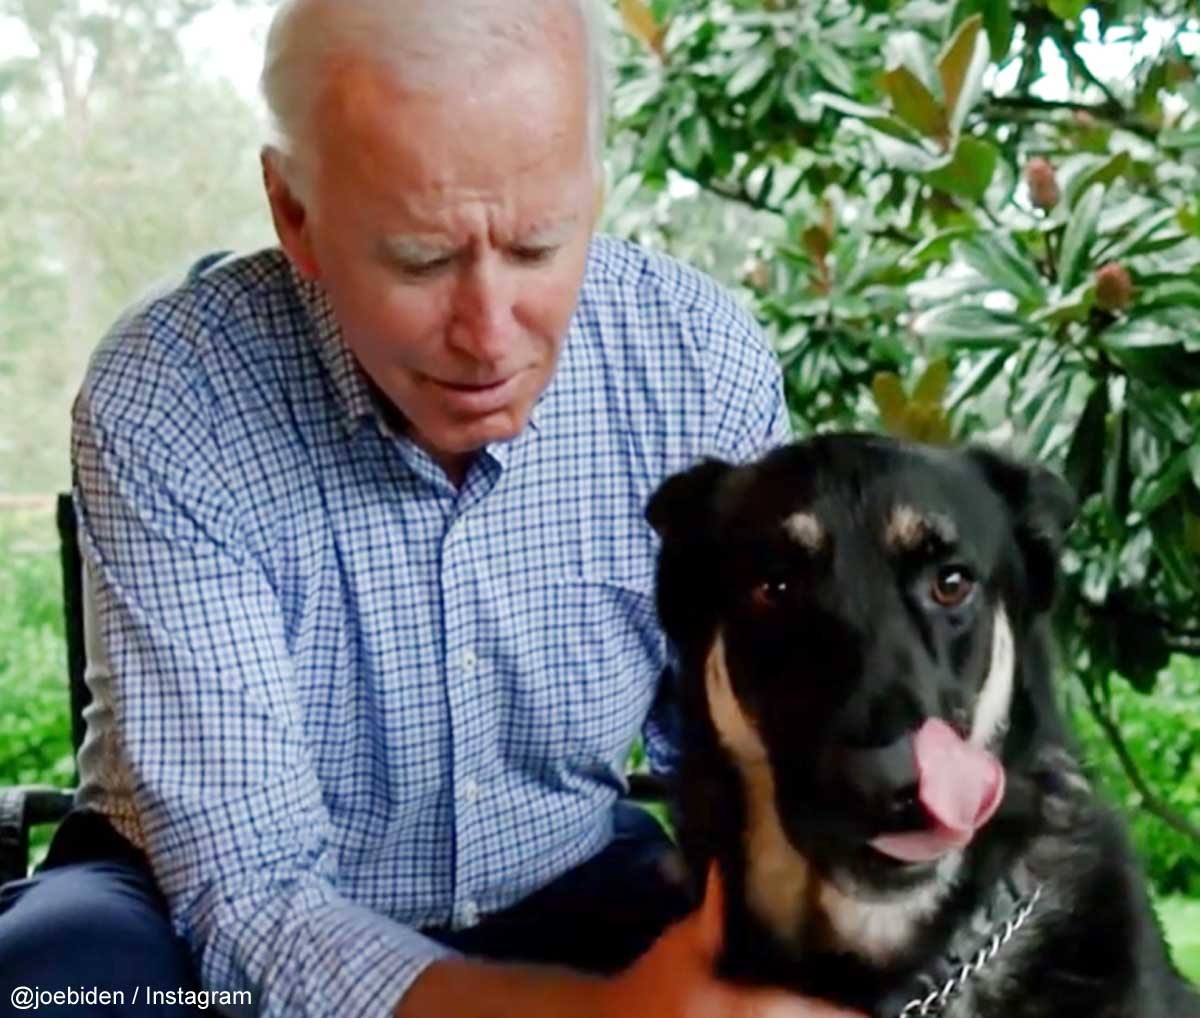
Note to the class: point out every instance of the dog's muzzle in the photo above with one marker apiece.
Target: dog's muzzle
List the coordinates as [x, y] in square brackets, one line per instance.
[932, 791]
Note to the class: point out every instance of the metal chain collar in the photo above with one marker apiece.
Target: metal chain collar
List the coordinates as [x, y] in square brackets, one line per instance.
[936, 1001]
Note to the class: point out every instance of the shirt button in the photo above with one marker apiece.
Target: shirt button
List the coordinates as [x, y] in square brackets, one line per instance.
[470, 913]
[469, 661]
[470, 790]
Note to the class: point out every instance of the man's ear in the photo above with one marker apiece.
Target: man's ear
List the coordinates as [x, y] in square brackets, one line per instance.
[1043, 505]
[292, 223]
[683, 502]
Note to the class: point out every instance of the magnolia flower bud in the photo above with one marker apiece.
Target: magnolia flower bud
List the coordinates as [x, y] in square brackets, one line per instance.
[756, 275]
[1114, 288]
[1043, 185]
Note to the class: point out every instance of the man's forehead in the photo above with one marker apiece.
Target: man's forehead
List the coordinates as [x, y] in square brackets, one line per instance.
[413, 244]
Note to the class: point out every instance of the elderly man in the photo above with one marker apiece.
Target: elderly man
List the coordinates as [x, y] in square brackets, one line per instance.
[373, 627]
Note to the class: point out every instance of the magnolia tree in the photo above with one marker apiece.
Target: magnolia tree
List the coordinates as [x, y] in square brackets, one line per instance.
[962, 220]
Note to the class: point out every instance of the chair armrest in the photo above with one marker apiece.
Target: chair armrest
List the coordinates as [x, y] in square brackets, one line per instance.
[20, 809]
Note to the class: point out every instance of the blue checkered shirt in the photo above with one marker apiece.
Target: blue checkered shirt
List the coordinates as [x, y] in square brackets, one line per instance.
[344, 700]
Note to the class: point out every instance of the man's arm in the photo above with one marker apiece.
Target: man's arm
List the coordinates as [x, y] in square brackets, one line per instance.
[226, 795]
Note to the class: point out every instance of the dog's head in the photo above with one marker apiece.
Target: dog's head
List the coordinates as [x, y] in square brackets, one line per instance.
[853, 607]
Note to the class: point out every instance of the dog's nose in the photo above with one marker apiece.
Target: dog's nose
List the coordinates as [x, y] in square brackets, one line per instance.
[883, 778]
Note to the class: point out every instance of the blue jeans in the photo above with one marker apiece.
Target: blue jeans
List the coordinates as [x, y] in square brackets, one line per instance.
[92, 916]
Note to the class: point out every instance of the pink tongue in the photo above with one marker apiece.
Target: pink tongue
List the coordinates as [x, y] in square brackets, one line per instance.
[959, 785]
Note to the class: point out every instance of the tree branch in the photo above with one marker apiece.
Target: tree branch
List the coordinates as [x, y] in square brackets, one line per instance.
[999, 107]
[1189, 645]
[731, 191]
[1151, 803]
[1071, 55]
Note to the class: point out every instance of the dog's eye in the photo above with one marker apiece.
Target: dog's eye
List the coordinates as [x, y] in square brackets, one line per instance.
[952, 586]
[769, 593]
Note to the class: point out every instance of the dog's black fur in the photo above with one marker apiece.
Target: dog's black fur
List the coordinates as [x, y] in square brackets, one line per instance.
[832, 645]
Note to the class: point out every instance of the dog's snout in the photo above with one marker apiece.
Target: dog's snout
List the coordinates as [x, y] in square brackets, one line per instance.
[884, 778]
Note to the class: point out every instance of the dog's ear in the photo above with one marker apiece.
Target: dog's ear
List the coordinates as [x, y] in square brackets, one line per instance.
[1043, 507]
[682, 510]
[683, 501]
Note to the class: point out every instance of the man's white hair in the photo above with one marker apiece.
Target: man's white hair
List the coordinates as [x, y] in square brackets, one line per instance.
[422, 45]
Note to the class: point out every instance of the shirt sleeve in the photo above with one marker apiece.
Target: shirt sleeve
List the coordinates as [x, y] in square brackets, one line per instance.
[205, 706]
[747, 413]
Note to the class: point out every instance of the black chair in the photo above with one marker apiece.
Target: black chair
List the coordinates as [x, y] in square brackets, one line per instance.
[24, 807]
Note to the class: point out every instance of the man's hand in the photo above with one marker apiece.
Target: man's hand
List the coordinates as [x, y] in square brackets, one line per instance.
[674, 979]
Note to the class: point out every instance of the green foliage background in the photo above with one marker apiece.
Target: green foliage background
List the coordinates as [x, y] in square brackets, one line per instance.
[975, 220]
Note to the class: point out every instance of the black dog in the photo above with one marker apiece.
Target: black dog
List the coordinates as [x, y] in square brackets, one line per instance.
[872, 750]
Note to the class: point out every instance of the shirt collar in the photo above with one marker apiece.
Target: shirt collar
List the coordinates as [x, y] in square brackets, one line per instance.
[350, 383]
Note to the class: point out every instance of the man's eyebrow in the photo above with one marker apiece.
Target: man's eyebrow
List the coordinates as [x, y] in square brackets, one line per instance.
[549, 232]
[416, 249]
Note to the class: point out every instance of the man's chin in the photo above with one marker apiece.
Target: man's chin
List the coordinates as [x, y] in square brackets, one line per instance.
[464, 438]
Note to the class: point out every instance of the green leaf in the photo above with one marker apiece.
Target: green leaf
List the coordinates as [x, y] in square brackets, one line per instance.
[1077, 239]
[1194, 464]
[983, 371]
[1066, 10]
[1042, 425]
[1149, 495]
[833, 68]
[850, 107]
[1180, 139]
[1170, 294]
[1170, 548]
[1104, 173]
[914, 103]
[997, 19]
[1117, 468]
[961, 66]
[935, 248]
[931, 387]
[1137, 333]
[1170, 366]
[969, 172]
[1132, 241]
[995, 256]
[1163, 416]
[969, 326]
[1085, 457]
[747, 77]
[891, 401]
[690, 142]
[1073, 306]
[901, 155]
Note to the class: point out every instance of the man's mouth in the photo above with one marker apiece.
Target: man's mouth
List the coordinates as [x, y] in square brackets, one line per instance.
[477, 397]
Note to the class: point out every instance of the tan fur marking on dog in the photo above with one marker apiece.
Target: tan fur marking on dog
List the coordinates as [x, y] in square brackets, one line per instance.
[806, 530]
[782, 889]
[907, 529]
[777, 877]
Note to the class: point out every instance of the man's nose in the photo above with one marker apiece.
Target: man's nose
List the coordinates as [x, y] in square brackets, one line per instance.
[482, 324]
